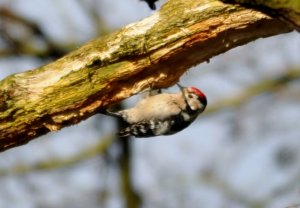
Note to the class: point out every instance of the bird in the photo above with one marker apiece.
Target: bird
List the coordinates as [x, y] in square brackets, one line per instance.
[162, 114]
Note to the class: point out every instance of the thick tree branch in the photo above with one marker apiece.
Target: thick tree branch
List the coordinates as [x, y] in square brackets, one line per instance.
[154, 52]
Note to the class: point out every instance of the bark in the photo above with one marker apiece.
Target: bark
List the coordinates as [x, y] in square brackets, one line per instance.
[152, 53]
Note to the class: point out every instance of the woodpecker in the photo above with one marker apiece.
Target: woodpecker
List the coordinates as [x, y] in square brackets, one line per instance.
[162, 114]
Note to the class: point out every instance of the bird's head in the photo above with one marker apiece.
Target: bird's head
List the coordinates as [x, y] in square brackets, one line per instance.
[195, 98]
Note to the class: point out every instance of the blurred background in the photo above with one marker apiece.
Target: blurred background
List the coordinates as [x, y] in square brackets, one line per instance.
[243, 152]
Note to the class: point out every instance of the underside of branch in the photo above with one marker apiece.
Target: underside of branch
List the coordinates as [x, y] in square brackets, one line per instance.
[152, 53]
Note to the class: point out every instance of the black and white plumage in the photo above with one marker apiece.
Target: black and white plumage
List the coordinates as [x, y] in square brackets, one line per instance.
[162, 114]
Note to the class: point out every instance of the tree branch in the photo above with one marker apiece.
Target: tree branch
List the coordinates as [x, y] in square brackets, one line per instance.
[154, 52]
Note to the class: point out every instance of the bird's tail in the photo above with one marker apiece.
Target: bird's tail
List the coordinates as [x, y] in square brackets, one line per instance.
[125, 132]
[141, 129]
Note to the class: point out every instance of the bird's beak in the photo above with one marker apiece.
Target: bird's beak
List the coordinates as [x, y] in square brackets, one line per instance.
[180, 86]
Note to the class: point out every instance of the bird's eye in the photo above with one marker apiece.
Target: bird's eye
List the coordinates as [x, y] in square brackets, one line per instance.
[190, 96]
